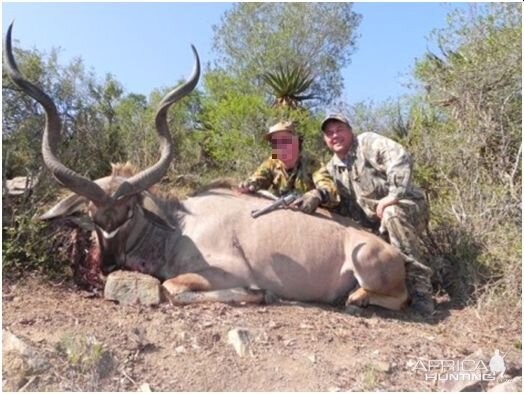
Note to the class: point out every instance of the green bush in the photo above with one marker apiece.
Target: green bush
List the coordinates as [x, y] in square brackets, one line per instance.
[26, 245]
[465, 132]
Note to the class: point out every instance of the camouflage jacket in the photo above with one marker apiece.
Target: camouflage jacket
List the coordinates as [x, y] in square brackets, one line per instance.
[272, 175]
[375, 167]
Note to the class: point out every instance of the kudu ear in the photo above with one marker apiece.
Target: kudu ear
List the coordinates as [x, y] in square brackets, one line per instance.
[66, 207]
[156, 212]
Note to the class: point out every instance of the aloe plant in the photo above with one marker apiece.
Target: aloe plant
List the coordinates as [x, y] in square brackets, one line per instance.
[289, 85]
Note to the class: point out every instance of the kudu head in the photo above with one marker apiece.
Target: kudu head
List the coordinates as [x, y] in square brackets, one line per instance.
[113, 203]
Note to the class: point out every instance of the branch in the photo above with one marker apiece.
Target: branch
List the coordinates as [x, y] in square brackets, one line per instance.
[514, 173]
[461, 216]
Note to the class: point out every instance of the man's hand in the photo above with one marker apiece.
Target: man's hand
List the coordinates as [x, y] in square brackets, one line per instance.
[247, 187]
[383, 203]
[309, 202]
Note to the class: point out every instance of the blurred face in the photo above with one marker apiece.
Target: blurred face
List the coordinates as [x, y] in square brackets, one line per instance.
[285, 146]
[338, 137]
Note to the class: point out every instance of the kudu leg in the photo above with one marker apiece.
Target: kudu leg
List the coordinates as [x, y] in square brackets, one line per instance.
[380, 272]
[186, 282]
[193, 288]
[362, 297]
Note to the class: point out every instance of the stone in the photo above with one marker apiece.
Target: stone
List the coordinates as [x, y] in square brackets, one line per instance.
[12, 344]
[240, 339]
[467, 383]
[21, 363]
[512, 385]
[20, 185]
[513, 366]
[130, 288]
[353, 310]
[463, 385]
[180, 349]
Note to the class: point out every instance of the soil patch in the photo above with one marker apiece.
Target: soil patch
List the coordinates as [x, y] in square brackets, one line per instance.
[91, 344]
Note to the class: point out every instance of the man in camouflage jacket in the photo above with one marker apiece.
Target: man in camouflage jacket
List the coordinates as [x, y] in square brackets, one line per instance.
[287, 170]
[369, 179]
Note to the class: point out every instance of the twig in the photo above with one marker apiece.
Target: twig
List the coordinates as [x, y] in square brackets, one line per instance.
[128, 377]
[31, 380]
[461, 216]
[5, 192]
[514, 172]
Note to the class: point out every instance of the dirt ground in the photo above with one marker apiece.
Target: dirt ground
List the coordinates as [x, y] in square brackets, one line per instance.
[91, 344]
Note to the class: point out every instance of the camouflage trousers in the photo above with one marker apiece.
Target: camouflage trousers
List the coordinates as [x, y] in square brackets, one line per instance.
[402, 223]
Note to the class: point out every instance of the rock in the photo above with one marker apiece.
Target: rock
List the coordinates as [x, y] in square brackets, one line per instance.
[463, 385]
[240, 339]
[181, 349]
[512, 385]
[353, 310]
[467, 383]
[132, 288]
[12, 344]
[20, 185]
[21, 363]
[513, 367]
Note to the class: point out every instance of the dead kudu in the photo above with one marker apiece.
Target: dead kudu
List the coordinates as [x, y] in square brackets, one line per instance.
[208, 247]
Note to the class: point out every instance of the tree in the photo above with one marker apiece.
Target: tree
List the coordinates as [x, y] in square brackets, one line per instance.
[389, 118]
[475, 86]
[466, 133]
[23, 122]
[232, 121]
[90, 134]
[107, 96]
[254, 38]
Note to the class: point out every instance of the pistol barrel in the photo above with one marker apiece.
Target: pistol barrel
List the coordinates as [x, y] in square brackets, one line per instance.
[257, 212]
[282, 201]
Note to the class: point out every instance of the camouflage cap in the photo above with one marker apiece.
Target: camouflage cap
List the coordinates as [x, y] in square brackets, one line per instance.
[336, 116]
[281, 126]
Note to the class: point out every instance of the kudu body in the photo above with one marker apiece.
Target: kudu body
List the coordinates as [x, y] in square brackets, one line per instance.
[210, 242]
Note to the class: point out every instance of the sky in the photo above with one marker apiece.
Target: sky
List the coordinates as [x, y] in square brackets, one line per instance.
[146, 45]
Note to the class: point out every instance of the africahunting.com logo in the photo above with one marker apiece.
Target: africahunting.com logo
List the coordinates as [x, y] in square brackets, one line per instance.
[462, 370]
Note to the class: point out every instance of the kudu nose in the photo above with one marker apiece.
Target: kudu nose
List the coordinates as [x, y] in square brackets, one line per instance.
[109, 264]
[108, 268]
